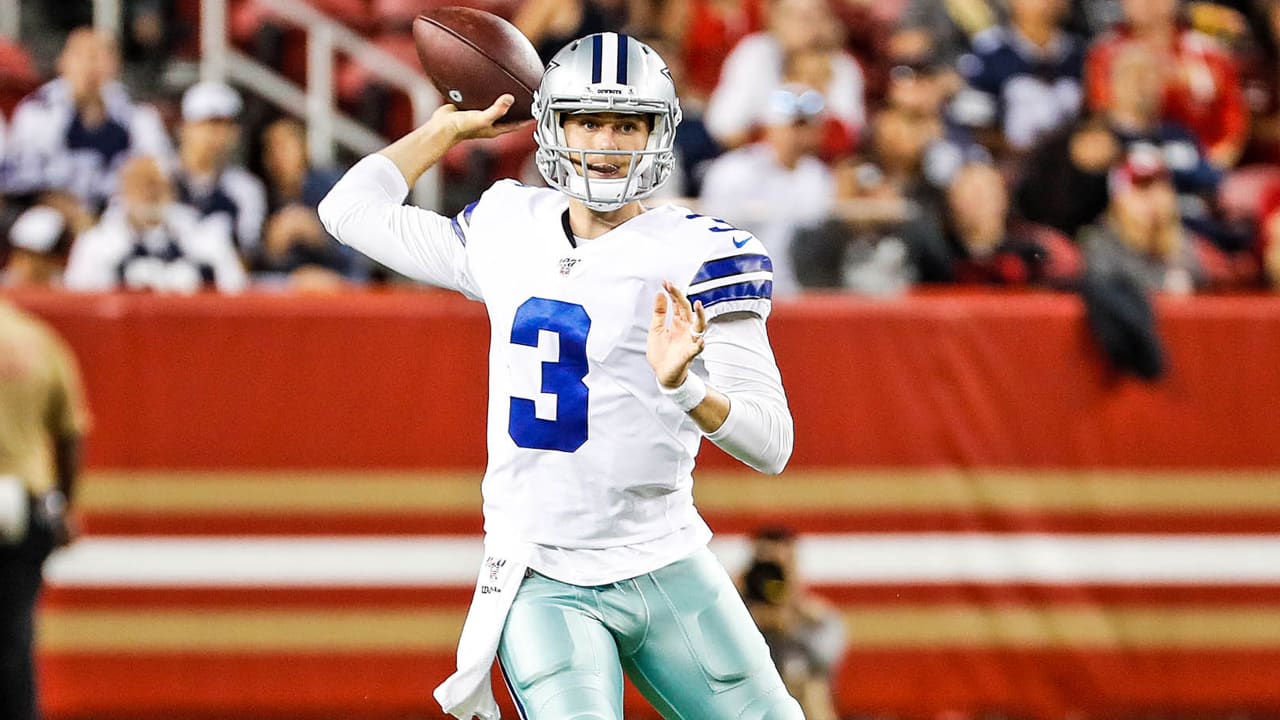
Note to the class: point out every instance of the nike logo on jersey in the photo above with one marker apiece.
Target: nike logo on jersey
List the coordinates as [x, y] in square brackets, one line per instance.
[743, 241]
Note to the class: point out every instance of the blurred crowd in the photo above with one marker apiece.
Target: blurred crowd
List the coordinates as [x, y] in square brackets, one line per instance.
[1127, 145]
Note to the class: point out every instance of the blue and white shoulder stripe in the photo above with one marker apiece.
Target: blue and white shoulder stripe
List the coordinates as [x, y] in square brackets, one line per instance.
[743, 281]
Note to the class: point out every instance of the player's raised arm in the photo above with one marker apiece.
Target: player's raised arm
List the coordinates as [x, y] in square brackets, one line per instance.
[366, 210]
[743, 409]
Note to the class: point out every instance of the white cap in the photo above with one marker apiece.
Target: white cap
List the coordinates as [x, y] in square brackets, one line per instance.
[210, 100]
[37, 230]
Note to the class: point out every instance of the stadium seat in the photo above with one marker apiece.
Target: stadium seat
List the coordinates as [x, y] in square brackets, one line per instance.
[399, 13]
[18, 75]
[246, 16]
[352, 77]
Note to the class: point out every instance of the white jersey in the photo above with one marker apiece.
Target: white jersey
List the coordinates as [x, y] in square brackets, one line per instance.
[583, 449]
[585, 454]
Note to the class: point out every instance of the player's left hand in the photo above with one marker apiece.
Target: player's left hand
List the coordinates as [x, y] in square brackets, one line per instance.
[675, 335]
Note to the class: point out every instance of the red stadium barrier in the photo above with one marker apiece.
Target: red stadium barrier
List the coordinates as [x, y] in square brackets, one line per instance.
[397, 380]
[936, 419]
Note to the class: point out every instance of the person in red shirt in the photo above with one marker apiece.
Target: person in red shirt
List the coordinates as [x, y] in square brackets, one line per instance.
[1202, 89]
[707, 30]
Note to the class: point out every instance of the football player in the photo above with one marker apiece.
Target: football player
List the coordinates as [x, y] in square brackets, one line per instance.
[621, 335]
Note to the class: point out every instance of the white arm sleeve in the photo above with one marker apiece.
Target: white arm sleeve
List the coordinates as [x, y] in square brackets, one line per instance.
[740, 364]
[364, 210]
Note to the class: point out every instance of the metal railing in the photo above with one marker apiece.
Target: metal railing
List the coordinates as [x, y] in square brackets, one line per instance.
[10, 18]
[314, 103]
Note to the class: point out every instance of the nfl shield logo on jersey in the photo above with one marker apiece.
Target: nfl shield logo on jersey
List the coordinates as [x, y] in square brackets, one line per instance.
[567, 264]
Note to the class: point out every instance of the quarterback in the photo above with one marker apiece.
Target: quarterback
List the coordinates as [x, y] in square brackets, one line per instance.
[621, 335]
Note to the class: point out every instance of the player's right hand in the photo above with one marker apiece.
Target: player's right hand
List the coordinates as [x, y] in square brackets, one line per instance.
[675, 335]
[468, 124]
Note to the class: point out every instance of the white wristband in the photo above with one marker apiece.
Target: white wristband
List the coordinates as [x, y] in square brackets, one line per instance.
[689, 394]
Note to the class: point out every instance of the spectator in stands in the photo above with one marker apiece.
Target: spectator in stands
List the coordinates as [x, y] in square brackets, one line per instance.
[974, 242]
[1133, 119]
[152, 31]
[296, 248]
[1064, 179]
[551, 24]
[774, 186]
[814, 68]
[911, 156]
[206, 180]
[1024, 77]
[1200, 81]
[853, 249]
[805, 633]
[867, 27]
[943, 28]
[71, 136]
[291, 179]
[146, 241]
[38, 244]
[294, 243]
[917, 83]
[706, 31]
[1140, 237]
[757, 65]
[1263, 91]
[42, 420]
[919, 87]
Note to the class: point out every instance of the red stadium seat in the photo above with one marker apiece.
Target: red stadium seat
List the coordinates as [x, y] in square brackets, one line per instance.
[18, 75]
[246, 16]
[392, 13]
[352, 77]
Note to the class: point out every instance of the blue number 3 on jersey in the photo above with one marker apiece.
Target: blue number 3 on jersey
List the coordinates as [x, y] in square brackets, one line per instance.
[562, 378]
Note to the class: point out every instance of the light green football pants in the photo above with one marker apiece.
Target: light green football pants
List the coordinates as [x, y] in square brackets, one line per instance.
[681, 633]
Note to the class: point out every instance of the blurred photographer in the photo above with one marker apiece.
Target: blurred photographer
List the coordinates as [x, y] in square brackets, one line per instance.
[805, 633]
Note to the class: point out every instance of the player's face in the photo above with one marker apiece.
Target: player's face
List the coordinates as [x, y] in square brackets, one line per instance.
[605, 131]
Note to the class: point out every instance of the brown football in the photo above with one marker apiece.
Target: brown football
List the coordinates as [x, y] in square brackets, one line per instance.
[473, 57]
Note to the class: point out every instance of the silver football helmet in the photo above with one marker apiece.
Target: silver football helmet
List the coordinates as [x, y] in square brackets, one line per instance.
[606, 72]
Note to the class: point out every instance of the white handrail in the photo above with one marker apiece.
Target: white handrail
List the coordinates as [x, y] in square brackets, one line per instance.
[10, 18]
[106, 16]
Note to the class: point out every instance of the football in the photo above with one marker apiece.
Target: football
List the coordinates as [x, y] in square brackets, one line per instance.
[473, 57]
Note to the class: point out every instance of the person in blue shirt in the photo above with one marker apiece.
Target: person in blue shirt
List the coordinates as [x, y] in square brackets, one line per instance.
[1023, 77]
